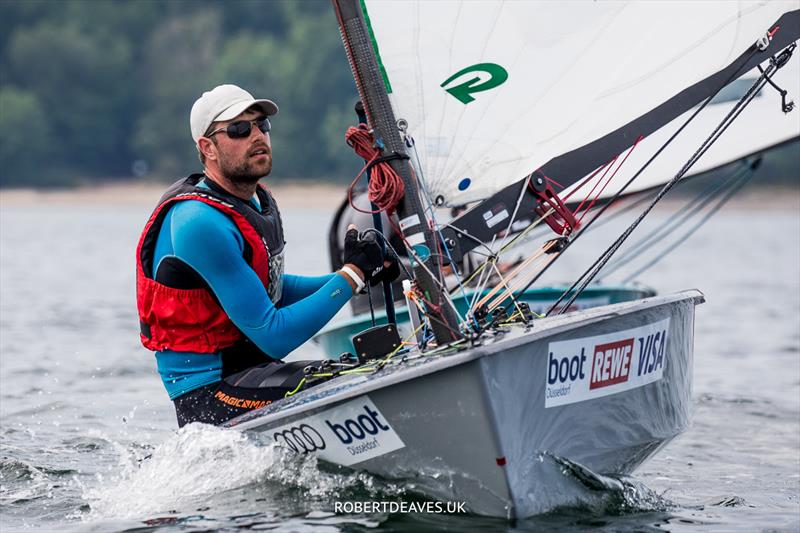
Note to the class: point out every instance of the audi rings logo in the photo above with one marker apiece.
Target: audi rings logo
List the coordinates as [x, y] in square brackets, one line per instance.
[301, 439]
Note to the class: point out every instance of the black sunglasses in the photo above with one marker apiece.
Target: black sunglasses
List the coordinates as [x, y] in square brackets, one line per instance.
[241, 128]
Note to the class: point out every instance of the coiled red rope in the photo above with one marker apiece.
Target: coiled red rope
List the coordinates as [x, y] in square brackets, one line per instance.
[386, 187]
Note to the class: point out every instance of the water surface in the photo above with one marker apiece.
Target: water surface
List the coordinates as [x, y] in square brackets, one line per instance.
[89, 440]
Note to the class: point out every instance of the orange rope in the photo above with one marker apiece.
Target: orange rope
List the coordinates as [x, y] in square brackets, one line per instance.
[386, 187]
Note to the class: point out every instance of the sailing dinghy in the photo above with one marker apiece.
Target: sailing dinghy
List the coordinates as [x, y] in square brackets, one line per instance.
[522, 108]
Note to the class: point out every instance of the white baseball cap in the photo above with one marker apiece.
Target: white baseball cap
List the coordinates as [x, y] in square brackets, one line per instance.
[224, 102]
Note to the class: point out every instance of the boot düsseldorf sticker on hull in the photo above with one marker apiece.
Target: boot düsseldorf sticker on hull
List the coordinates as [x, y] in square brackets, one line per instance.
[583, 369]
[348, 434]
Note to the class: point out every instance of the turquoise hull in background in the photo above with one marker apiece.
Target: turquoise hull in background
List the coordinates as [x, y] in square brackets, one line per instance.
[337, 338]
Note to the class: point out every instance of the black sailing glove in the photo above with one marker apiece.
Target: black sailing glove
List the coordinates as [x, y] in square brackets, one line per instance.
[390, 272]
[364, 253]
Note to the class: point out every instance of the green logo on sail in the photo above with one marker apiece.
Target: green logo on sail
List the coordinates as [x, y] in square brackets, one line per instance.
[475, 84]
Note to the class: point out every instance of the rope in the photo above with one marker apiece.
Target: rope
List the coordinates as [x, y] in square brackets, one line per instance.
[724, 200]
[593, 270]
[386, 187]
[299, 385]
[610, 179]
[674, 222]
[611, 201]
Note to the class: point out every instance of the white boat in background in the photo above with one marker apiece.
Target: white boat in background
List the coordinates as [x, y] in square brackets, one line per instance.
[482, 102]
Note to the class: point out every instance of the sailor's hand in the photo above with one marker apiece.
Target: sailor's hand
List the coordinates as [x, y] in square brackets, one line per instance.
[365, 253]
[390, 272]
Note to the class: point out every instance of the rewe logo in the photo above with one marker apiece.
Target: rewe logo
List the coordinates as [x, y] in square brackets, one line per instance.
[475, 79]
[359, 427]
[611, 363]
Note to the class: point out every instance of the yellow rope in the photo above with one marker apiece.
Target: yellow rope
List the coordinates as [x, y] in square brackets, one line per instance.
[302, 382]
[521, 281]
[504, 281]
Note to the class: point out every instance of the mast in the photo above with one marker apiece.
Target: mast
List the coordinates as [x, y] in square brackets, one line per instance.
[413, 222]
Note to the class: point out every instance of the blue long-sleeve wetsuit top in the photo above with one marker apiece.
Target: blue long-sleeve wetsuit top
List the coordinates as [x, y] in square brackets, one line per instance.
[208, 241]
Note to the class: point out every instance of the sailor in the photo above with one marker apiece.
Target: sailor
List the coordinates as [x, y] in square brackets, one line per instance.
[214, 302]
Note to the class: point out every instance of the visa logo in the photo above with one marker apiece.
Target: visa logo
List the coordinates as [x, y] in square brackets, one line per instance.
[651, 352]
[611, 363]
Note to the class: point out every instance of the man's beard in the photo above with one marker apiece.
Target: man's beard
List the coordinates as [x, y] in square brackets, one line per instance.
[246, 171]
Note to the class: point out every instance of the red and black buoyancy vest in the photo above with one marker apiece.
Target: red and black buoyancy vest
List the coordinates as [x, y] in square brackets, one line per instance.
[177, 309]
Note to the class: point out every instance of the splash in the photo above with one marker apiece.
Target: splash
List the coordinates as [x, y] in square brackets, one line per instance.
[197, 461]
[608, 495]
[200, 461]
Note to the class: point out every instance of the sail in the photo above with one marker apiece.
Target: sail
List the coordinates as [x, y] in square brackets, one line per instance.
[762, 125]
[492, 91]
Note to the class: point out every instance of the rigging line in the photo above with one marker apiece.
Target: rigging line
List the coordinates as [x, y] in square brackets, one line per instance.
[413, 255]
[611, 178]
[481, 269]
[441, 286]
[481, 253]
[483, 281]
[641, 197]
[728, 195]
[419, 176]
[675, 221]
[589, 178]
[371, 307]
[734, 74]
[498, 287]
[680, 217]
[606, 168]
[503, 297]
[439, 239]
[517, 270]
[535, 223]
[507, 234]
[472, 238]
[522, 279]
[436, 226]
[590, 273]
[505, 284]
[554, 182]
[431, 315]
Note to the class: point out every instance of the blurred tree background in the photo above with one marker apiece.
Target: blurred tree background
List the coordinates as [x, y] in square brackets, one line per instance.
[101, 89]
[96, 90]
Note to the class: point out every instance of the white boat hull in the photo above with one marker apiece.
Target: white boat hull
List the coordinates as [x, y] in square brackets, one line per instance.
[495, 425]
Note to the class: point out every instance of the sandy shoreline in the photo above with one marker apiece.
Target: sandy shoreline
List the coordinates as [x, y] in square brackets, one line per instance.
[290, 194]
[300, 194]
